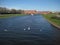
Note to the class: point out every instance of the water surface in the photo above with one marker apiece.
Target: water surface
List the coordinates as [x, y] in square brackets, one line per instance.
[28, 30]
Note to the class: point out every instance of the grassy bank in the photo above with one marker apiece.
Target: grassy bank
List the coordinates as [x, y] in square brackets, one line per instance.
[10, 15]
[49, 17]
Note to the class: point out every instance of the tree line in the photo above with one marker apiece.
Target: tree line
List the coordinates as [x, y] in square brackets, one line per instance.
[4, 10]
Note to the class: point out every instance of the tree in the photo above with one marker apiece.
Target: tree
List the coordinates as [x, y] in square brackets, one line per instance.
[4, 10]
[13, 11]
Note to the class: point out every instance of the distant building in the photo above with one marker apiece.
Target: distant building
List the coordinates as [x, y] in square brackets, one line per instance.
[43, 12]
[35, 12]
[30, 11]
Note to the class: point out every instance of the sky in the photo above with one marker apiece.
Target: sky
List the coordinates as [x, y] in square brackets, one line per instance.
[42, 5]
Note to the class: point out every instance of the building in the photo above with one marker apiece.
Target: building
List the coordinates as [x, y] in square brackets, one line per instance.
[35, 12]
[30, 11]
[43, 12]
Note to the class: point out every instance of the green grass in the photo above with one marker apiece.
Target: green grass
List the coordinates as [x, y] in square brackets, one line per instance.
[48, 16]
[10, 15]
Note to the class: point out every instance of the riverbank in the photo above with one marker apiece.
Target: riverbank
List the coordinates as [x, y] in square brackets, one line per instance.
[54, 22]
[10, 15]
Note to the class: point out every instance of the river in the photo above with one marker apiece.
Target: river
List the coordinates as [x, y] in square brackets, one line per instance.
[28, 30]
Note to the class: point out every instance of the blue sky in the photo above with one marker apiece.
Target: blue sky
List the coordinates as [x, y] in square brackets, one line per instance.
[42, 5]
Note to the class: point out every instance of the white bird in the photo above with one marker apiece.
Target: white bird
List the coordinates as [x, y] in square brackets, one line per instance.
[24, 29]
[5, 30]
[28, 28]
[40, 30]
